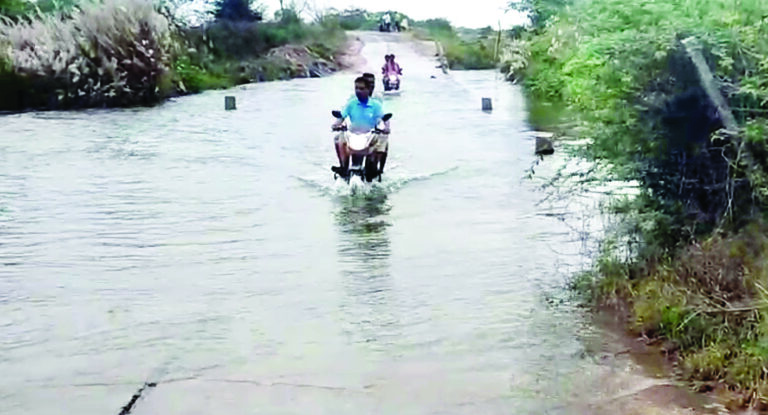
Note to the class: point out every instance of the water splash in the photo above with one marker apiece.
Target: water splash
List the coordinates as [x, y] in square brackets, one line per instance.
[390, 183]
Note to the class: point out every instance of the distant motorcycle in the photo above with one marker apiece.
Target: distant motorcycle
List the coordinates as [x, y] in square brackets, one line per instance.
[391, 81]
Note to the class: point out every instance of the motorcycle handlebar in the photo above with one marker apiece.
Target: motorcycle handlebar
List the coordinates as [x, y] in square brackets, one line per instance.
[344, 128]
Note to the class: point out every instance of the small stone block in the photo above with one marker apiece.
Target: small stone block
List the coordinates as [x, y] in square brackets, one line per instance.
[487, 104]
[229, 103]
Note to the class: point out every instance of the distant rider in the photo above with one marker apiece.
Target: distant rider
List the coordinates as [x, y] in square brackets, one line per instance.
[390, 66]
[386, 23]
[390, 70]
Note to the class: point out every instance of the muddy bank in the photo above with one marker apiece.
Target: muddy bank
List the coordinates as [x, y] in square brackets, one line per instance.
[349, 57]
[653, 385]
[299, 61]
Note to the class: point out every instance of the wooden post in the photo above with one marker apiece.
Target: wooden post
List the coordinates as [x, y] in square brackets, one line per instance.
[441, 57]
[693, 49]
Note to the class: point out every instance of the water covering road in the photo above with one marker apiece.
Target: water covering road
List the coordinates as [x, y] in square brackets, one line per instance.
[211, 251]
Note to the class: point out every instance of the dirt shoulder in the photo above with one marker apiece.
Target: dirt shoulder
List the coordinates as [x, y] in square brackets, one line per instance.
[651, 386]
[426, 48]
[350, 58]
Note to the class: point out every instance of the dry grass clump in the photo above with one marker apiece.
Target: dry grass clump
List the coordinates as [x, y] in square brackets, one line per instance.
[108, 53]
[712, 269]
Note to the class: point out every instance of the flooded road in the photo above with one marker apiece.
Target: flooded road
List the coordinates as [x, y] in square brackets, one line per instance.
[211, 252]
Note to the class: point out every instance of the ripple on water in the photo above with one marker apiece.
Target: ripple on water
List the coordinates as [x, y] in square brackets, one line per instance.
[183, 238]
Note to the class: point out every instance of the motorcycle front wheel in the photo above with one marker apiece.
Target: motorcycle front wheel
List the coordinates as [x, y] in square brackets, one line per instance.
[371, 169]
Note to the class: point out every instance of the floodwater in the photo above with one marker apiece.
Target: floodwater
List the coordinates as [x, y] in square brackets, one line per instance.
[213, 253]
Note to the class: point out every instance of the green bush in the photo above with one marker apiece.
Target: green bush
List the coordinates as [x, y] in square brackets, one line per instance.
[14, 8]
[437, 27]
[353, 19]
[466, 55]
[241, 40]
[540, 12]
[460, 53]
[694, 275]
[235, 10]
[621, 67]
[226, 53]
[196, 79]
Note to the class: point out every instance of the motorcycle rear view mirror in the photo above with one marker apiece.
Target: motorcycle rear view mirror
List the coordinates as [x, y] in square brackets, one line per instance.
[336, 113]
[387, 116]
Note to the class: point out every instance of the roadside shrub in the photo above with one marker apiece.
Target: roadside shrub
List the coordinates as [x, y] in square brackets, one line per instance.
[111, 53]
[478, 53]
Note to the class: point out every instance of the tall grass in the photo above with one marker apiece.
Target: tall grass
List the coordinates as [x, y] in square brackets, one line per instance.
[131, 52]
[107, 53]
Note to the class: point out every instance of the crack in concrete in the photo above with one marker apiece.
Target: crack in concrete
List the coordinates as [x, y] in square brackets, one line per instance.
[129, 406]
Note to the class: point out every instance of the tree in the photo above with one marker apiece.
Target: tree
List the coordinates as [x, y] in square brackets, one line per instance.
[353, 19]
[290, 12]
[437, 26]
[539, 11]
[236, 10]
[486, 32]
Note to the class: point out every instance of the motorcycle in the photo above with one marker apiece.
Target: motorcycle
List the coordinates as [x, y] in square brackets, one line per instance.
[391, 81]
[360, 162]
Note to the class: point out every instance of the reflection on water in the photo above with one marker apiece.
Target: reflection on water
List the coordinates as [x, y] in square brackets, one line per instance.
[363, 222]
[364, 253]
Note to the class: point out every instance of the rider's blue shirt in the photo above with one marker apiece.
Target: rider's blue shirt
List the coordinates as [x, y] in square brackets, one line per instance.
[362, 117]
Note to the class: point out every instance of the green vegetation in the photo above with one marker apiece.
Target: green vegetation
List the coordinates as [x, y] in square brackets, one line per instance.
[69, 54]
[709, 299]
[360, 19]
[236, 10]
[689, 256]
[226, 53]
[355, 19]
[16, 9]
[474, 50]
[95, 53]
